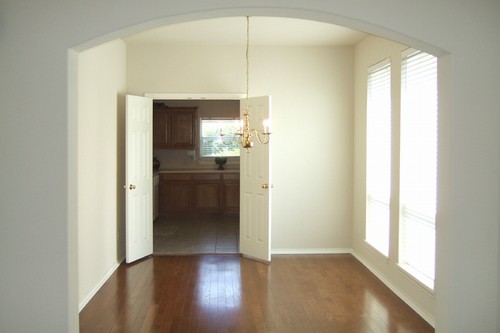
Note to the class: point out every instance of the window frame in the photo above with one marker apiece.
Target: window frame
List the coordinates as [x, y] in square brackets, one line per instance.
[209, 159]
[415, 218]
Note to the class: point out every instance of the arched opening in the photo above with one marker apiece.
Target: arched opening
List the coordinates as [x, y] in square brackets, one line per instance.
[302, 15]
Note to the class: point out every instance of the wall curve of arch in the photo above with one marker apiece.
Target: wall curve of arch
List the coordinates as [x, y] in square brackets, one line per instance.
[305, 14]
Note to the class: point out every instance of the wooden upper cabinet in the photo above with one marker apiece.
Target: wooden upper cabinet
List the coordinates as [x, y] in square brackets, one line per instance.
[183, 130]
[160, 129]
[174, 128]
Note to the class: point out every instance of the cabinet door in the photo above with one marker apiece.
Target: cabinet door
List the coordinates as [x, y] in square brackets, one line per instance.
[206, 197]
[175, 193]
[183, 128]
[206, 194]
[231, 193]
[156, 195]
[161, 131]
[175, 197]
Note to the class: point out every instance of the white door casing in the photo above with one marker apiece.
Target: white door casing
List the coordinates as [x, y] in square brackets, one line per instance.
[255, 198]
[139, 177]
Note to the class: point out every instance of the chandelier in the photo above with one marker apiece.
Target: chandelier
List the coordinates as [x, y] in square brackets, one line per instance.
[244, 132]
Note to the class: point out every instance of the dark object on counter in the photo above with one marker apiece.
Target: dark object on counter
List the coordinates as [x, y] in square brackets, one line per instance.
[220, 161]
[156, 163]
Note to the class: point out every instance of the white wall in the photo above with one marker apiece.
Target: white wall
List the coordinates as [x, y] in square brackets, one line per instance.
[101, 232]
[312, 92]
[369, 52]
[38, 109]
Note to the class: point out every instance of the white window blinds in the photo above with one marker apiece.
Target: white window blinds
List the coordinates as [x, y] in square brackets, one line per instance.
[378, 159]
[213, 144]
[418, 173]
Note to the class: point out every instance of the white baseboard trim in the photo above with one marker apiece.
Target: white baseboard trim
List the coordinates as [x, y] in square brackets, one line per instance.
[312, 251]
[98, 286]
[427, 317]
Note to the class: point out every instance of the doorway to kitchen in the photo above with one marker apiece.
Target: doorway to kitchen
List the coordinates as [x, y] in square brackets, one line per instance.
[198, 204]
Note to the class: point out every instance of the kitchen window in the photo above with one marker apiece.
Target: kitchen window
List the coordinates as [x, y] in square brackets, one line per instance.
[218, 138]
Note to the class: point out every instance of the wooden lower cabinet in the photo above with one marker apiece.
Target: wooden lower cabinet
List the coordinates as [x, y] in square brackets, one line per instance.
[175, 193]
[206, 193]
[177, 197]
[231, 193]
[199, 193]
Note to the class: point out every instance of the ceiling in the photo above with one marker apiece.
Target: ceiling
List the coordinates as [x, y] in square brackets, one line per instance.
[276, 31]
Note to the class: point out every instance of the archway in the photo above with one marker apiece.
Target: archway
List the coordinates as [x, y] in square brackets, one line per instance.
[303, 15]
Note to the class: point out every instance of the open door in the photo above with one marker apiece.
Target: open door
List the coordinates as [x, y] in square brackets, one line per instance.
[139, 177]
[255, 187]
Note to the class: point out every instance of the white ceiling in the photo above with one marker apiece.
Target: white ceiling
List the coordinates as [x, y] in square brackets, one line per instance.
[274, 31]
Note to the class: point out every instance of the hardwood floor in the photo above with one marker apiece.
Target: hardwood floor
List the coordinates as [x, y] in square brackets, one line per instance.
[227, 293]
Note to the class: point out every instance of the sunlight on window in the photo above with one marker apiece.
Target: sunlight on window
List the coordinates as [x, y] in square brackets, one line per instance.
[378, 159]
[418, 180]
[217, 138]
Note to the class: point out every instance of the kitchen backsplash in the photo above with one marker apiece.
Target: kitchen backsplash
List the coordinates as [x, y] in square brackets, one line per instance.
[181, 159]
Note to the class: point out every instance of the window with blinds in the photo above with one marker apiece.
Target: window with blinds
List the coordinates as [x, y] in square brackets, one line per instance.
[378, 159]
[213, 144]
[418, 169]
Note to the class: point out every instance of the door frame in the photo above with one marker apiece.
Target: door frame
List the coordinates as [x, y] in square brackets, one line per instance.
[199, 96]
[195, 96]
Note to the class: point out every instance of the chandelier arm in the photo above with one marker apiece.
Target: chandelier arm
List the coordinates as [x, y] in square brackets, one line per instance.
[267, 136]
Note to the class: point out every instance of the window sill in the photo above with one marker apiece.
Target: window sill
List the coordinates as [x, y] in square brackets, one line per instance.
[376, 251]
[211, 160]
[420, 279]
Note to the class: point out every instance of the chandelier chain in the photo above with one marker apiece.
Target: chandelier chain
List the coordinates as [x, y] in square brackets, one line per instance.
[247, 57]
[245, 132]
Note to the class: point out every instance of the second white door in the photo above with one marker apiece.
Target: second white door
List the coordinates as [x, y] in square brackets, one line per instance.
[256, 187]
[139, 176]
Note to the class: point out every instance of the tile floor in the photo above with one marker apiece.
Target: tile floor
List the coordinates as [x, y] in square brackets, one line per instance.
[196, 234]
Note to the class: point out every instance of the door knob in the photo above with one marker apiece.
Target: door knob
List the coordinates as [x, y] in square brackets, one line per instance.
[130, 187]
[266, 186]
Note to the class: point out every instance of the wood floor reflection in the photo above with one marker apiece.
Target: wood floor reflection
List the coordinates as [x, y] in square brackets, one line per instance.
[227, 293]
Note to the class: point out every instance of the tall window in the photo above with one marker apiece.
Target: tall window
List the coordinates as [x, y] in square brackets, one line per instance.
[418, 172]
[213, 144]
[378, 159]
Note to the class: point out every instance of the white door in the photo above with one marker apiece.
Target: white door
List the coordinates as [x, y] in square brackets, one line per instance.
[139, 177]
[255, 187]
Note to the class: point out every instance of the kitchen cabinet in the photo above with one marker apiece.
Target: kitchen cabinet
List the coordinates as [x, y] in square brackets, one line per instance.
[199, 193]
[156, 194]
[175, 193]
[231, 193]
[174, 127]
[206, 193]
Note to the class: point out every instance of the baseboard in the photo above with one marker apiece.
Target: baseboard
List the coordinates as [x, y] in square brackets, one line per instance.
[312, 251]
[94, 291]
[427, 317]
